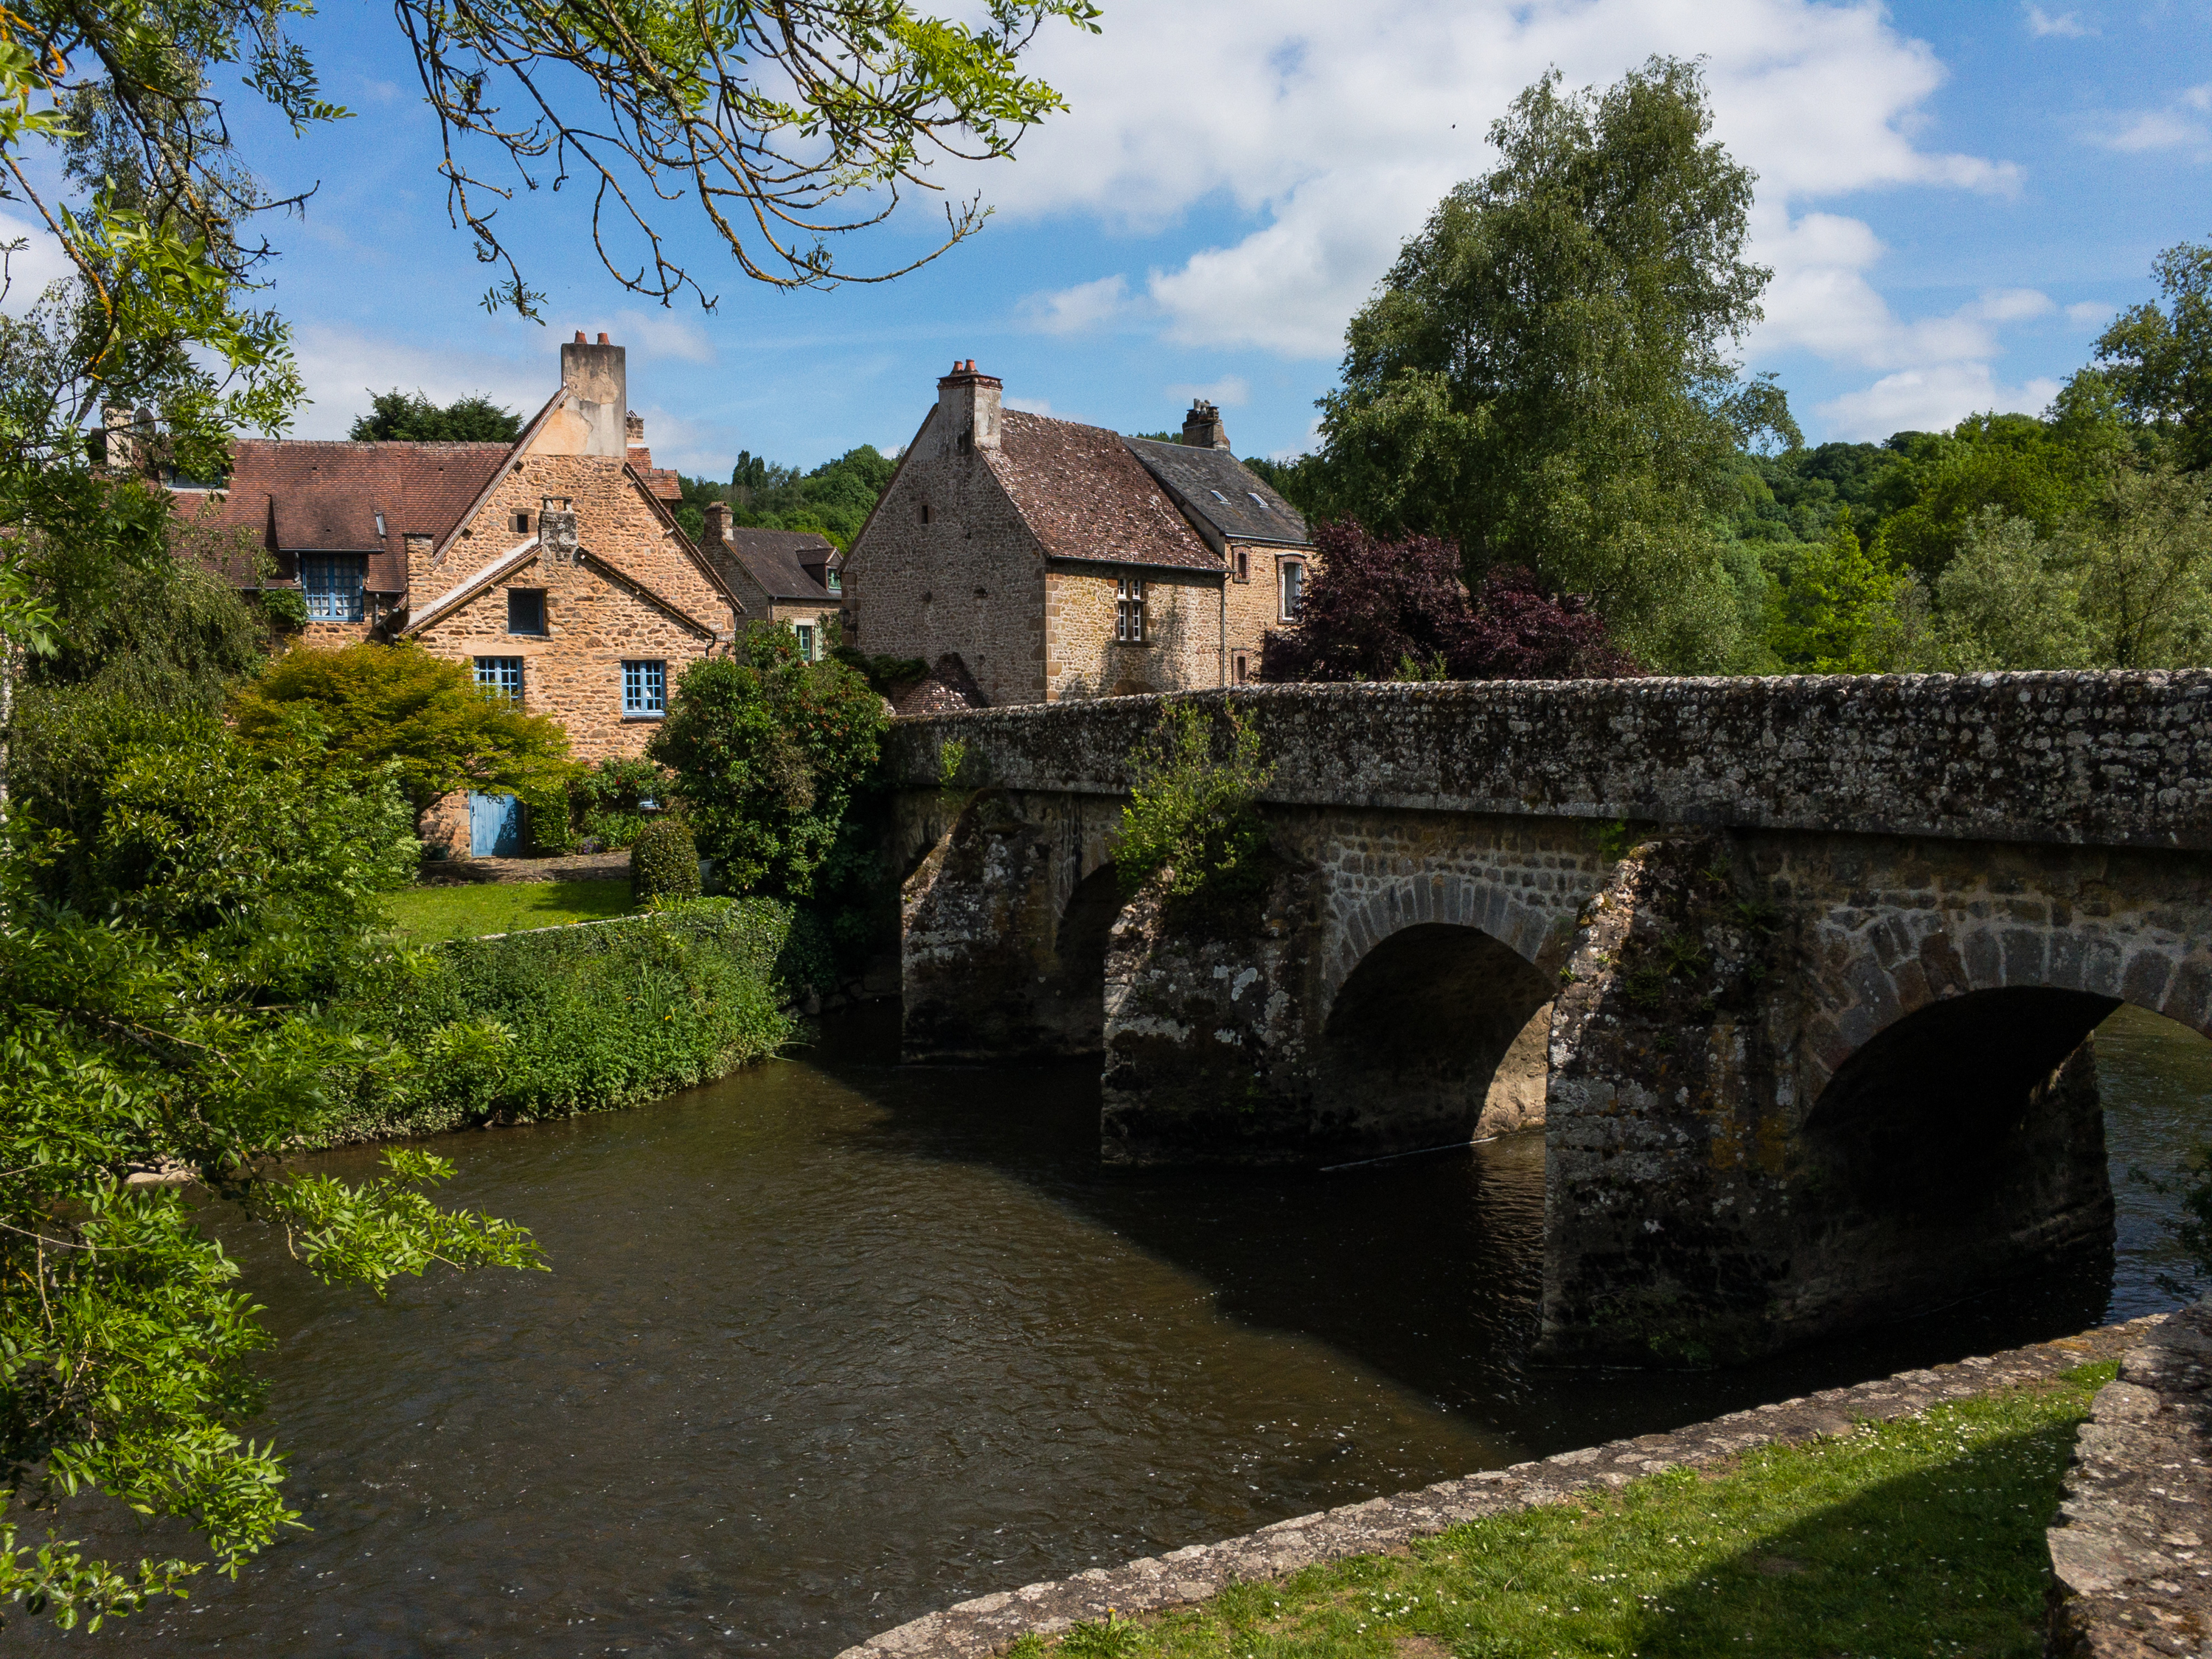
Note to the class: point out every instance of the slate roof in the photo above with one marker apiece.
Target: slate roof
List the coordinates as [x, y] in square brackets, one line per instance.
[776, 559]
[1217, 487]
[296, 496]
[1084, 496]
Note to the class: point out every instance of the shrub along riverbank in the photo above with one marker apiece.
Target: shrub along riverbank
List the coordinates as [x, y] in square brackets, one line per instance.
[587, 1018]
[1921, 1536]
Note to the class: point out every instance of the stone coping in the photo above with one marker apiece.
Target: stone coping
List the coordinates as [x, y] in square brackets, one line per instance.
[989, 1623]
[2120, 758]
[569, 866]
[2134, 1574]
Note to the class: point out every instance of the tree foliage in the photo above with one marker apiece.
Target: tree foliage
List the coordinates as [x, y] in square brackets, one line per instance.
[2157, 359]
[1191, 821]
[413, 418]
[397, 705]
[1546, 378]
[833, 501]
[767, 751]
[1380, 609]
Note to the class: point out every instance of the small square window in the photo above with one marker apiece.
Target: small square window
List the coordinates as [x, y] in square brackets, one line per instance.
[501, 677]
[525, 610]
[645, 689]
[522, 522]
[832, 581]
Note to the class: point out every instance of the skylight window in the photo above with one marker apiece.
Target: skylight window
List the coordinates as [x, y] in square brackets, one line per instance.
[1258, 497]
[1218, 497]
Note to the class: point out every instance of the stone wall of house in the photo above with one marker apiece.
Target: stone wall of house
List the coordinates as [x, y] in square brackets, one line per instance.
[970, 579]
[1181, 647]
[1255, 606]
[594, 621]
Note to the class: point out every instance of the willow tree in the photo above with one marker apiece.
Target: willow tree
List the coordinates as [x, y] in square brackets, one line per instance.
[1548, 377]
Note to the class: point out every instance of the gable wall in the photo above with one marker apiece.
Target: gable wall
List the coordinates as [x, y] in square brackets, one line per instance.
[573, 671]
[970, 581]
[1182, 633]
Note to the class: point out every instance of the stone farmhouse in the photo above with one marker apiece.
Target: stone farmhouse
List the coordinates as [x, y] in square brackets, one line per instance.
[1041, 559]
[789, 577]
[553, 566]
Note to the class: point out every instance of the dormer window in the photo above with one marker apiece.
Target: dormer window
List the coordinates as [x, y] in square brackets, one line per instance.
[833, 581]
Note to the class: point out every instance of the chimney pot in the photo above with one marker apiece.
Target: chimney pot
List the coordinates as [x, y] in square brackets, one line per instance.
[602, 338]
[579, 337]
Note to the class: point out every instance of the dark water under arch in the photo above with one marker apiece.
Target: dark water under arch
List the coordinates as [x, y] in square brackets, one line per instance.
[830, 1343]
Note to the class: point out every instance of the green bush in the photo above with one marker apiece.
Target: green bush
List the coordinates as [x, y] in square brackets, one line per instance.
[594, 1017]
[551, 833]
[1191, 814]
[611, 800]
[664, 863]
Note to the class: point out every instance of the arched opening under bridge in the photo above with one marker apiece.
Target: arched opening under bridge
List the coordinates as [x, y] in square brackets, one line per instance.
[1070, 1000]
[1438, 1035]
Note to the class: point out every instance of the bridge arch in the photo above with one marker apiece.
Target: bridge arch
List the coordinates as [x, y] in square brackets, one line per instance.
[1533, 931]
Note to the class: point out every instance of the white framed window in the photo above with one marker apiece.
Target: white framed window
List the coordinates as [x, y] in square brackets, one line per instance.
[1129, 611]
[833, 580]
[501, 677]
[806, 632]
[333, 583]
[1294, 588]
[645, 689]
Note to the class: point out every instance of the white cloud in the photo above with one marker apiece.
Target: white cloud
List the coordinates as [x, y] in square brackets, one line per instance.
[2090, 314]
[2066, 24]
[2199, 97]
[660, 335]
[2157, 129]
[1930, 399]
[344, 367]
[38, 262]
[1028, 405]
[1230, 392]
[1079, 309]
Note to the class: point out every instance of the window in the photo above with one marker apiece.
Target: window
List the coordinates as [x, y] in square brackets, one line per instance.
[1294, 588]
[925, 512]
[522, 522]
[501, 676]
[1218, 497]
[806, 631]
[645, 689]
[1244, 668]
[1244, 564]
[381, 532]
[333, 584]
[1129, 611]
[525, 610]
[833, 580]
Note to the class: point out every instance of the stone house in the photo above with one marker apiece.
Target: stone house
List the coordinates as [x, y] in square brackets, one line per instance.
[553, 566]
[786, 578]
[1051, 560]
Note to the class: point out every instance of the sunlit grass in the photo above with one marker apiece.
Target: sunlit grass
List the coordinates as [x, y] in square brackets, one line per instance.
[1920, 1537]
[426, 914]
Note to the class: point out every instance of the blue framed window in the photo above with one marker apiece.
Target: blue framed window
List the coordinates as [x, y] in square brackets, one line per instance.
[333, 582]
[645, 689]
[834, 581]
[806, 631]
[501, 676]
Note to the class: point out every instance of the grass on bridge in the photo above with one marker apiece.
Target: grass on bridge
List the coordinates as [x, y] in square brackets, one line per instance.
[1923, 1536]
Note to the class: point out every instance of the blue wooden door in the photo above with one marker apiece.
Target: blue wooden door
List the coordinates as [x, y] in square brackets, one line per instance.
[494, 826]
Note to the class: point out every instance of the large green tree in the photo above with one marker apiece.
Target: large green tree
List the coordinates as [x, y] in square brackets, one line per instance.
[2157, 359]
[413, 418]
[1549, 376]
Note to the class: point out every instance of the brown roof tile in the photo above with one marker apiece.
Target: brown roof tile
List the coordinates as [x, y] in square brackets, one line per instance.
[1085, 496]
[302, 496]
[776, 559]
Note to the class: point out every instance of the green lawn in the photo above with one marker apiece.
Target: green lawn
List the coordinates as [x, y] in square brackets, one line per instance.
[1920, 1537]
[426, 914]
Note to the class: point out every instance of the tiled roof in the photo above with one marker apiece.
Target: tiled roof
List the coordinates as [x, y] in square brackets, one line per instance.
[1216, 486]
[947, 688]
[302, 496]
[776, 559]
[1085, 496]
[662, 481]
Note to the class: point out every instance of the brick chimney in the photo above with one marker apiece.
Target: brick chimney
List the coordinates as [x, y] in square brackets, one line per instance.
[717, 532]
[1202, 428]
[970, 404]
[600, 379]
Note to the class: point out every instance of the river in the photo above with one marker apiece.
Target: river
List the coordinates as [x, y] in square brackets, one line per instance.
[830, 1342]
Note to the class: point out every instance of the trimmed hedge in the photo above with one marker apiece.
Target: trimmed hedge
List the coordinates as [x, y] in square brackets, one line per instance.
[591, 1017]
[664, 863]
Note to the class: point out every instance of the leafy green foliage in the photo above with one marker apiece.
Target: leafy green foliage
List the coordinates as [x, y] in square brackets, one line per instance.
[396, 414]
[1925, 1534]
[1191, 814]
[2157, 362]
[591, 1018]
[1838, 610]
[664, 863]
[833, 501]
[767, 752]
[609, 802]
[1545, 378]
[379, 705]
[183, 914]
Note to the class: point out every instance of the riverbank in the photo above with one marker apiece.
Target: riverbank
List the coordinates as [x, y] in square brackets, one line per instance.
[1886, 1480]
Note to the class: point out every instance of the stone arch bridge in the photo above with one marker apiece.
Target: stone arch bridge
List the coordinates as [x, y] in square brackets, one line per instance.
[1797, 975]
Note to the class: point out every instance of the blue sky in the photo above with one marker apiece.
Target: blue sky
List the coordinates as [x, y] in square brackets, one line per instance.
[1955, 199]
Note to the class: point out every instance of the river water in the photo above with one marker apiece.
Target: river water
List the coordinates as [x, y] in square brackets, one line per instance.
[830, 1342]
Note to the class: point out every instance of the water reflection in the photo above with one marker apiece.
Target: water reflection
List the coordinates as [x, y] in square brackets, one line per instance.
[830, 1343]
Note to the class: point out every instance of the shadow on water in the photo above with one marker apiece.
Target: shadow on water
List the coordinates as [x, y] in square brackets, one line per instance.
[831, 1342]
